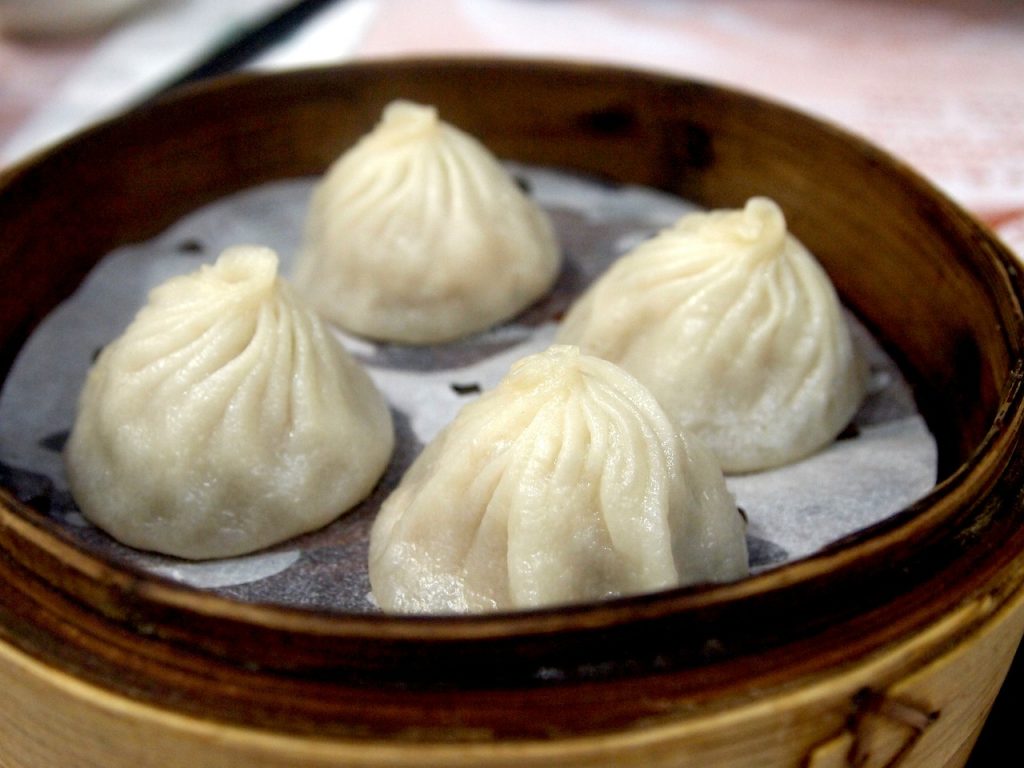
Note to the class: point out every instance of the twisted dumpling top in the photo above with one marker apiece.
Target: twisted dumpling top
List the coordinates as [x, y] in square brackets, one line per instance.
[225, 418]
[417, 234]
[565, 483]
[735, 328]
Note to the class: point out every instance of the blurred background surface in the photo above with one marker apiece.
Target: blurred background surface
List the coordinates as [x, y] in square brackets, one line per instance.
[939, 84]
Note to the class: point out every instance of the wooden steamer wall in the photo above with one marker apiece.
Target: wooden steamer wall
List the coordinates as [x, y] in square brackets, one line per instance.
[885, 650]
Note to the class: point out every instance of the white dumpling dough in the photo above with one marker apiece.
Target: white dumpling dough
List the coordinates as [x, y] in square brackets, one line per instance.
[736, 329]
[226, 418]
[418, 235]
[565, 483]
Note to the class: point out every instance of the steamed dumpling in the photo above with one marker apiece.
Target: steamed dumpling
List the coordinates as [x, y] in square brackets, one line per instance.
[418, 235]
[566, 483]
[225, 419]
[736, 329]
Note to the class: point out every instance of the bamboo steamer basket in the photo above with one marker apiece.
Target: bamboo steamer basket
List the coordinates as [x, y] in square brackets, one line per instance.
[886, 649]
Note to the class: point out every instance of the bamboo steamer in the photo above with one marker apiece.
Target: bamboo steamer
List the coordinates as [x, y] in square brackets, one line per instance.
[887, 649]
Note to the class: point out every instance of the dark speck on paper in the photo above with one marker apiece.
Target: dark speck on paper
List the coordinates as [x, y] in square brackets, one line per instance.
[466, 389]
[55, 441]
[523, 183]
[191, 246]
[764, 553]
[851, 431]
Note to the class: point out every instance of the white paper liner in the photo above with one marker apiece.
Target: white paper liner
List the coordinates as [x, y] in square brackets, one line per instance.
[887, 460]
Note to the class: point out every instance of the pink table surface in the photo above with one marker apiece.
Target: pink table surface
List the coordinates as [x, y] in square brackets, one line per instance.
[940, 84]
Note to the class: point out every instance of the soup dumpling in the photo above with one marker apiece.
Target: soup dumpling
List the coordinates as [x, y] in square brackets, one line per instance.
[418, 235]
[566, 483]
[225, 418]
[736, 329]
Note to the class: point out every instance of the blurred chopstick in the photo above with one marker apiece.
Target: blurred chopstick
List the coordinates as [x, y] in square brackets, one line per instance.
[238, 51]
